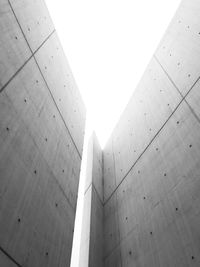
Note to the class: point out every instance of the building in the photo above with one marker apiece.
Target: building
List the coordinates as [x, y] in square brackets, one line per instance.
[42, 120]
[142, 200]
[151, 163]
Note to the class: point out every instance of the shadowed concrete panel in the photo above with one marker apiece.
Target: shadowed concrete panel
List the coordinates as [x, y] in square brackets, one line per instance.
[147, 111]
[111, 226]
[91, 252]
[5, 261]
[33, 103]
[85, 233]
[94, 166]
[96, 231]
[193, 99]
[109, 177]
[14, 50]
[34, 20]
[58, 76]
[39, 159]
[97, 168]
[157, 208]
[151, 162]
[36, 220]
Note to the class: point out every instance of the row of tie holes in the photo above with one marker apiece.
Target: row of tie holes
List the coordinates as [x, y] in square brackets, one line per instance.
[151, 233]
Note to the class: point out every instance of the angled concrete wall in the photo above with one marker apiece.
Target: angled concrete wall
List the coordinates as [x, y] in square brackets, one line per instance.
[91, 252]
[152, 160]
[42, 120]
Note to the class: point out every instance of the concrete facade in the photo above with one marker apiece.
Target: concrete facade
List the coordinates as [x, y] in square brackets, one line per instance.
[142, 195]
[151, 163]
[91, 253]
[152, 160]
[42, 120]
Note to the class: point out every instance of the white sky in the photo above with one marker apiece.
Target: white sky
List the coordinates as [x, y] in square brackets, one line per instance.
[108, 44]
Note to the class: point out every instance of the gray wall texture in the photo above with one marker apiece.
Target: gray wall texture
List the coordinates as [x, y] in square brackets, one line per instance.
[42, 120]
[91, 253]
[152, 160]
[151, 163]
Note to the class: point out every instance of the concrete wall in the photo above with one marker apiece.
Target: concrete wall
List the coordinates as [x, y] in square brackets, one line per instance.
[42, 120]
[91, 252]
[152, 160]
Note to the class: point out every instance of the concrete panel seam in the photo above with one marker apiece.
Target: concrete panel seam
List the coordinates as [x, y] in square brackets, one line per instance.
[192, 110]
[20, 26]
[54, 177]
[93, 186]
[143, 152]
[183, 99]
[118, 244]
[33, 53]
[97, 194]
[176, 87]
[10, 257]
[58, 109]
[102, 160]
[112, 250]
[74, 209]
[87, 188]
[15, 74]
[44, 42]
[117, 209]
[23, 65]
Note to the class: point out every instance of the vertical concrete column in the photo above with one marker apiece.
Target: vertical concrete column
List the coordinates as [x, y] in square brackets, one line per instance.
[92, 234]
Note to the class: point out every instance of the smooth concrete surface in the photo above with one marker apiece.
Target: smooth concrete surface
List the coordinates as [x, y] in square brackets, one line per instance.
[150, 106]
[86, 229]
[54, 67]
[5, 261]
[34, 19]
[91, 250]
[13, 47]
[178, 52]
[153, 214]
[151, 163]
[41, 139]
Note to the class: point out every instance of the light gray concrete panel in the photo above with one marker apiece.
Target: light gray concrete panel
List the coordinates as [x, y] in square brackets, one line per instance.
[39, 158]
[86, 229]
[56, 71]
[97, 167]
[193, 99]
[34, 19]
[96, 235]
[13, 47]
[5, 261]
[114, 259]
[36, 220]
[179, 49]
[111, 226]
[34, 105]
[158, 202]
[109, 177]
[94, 166]
[91, 251]
[89, 164]
[150, 106]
